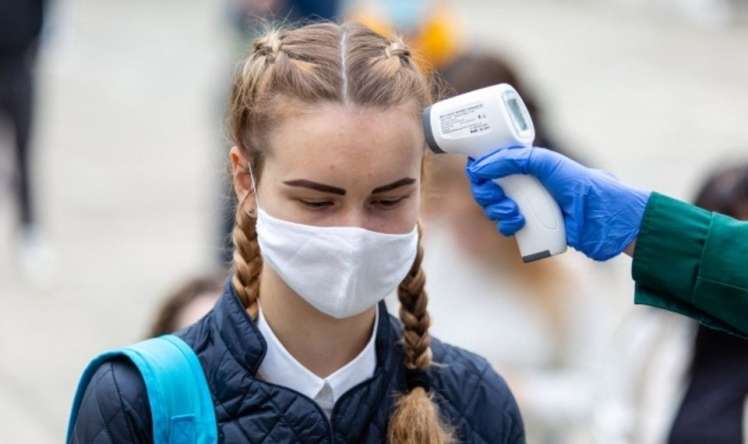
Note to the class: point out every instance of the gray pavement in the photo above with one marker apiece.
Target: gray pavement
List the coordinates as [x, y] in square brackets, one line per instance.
[127, 158]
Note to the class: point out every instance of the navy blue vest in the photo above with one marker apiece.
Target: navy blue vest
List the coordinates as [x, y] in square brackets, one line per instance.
[471, 397]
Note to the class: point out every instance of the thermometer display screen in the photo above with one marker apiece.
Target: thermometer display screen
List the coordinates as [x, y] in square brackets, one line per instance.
[516, 111]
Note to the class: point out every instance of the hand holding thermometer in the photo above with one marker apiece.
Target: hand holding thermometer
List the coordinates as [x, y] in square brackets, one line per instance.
[481, 121]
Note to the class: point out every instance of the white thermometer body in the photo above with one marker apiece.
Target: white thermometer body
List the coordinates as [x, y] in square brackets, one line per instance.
[487, 119]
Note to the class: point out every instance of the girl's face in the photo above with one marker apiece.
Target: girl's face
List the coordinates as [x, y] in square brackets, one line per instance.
[338, 165]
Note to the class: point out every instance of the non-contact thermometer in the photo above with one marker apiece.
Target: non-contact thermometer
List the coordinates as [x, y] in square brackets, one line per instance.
[487, 119]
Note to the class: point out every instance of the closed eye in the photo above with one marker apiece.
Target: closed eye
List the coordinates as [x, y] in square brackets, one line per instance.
[316, 205]
[389, 203]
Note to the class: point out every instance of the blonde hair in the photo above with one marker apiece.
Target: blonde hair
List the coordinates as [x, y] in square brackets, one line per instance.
[352, 65]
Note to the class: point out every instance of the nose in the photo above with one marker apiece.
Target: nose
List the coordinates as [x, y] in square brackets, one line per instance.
[352, 217]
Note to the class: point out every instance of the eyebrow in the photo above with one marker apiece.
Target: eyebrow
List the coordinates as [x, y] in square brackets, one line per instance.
[397, 184]
[303, 183]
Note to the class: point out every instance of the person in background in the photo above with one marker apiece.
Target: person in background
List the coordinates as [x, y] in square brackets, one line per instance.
[248, 17]
[471, 70]
[678, 381]
[429, 27]
[543, 324]
[21, 23]
[187, 304]
[550, 324]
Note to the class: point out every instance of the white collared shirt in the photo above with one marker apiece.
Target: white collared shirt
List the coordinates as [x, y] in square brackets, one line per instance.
[281, 368]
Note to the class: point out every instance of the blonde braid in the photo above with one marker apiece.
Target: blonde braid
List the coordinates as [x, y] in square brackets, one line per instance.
[247, 259]
[414, 316]
[416, 418]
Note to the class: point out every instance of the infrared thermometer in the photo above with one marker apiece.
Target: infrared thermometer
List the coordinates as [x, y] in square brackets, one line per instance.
[487, 119]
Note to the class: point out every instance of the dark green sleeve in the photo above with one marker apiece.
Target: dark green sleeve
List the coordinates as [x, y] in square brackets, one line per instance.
[693, 262]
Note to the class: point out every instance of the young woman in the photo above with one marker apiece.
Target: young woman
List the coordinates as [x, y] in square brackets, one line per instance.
[327, 169]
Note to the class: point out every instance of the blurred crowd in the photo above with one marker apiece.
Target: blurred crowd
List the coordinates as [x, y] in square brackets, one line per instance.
[554, 330]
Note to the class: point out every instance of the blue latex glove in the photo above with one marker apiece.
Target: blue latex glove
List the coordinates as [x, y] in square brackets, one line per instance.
[601, 215]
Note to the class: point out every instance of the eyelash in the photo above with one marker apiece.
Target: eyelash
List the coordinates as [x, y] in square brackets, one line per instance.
[390, 203]
[316, 205]
[384, 203]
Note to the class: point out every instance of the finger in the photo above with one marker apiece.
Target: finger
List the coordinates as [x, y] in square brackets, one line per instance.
[472, 178]
[511, 226]
[503, 210]
[487, 193]
[501, 163]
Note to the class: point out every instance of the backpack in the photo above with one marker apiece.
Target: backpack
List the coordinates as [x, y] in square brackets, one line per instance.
[181, 405]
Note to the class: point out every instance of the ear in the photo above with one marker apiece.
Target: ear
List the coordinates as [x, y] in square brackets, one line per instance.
[241, 178]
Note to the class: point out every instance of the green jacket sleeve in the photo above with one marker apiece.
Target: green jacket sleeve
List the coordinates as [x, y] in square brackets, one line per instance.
[693, 262]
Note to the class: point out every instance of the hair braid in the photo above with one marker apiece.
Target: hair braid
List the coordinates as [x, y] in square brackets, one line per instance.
[416, 418]
[414, 316]
[247, 259]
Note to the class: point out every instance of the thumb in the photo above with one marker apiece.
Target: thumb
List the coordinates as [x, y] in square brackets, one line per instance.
[500, 163]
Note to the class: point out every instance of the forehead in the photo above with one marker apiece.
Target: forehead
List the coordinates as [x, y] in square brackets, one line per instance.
[347, 145]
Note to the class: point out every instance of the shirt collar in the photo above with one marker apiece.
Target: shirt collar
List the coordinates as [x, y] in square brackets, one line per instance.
[281, 368]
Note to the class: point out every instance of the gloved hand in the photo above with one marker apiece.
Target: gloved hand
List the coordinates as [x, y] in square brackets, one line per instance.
[601, 215]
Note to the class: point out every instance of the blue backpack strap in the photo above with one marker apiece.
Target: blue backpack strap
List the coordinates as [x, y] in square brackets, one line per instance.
[182, 409]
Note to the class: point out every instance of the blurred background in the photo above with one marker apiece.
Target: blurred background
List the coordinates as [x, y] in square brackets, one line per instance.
[114, 201]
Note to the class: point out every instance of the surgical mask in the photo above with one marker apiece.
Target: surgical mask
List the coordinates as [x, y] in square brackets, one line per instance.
[340, 271]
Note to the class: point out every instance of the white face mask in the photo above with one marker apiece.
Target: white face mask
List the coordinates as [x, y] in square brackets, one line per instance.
[340, 271]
